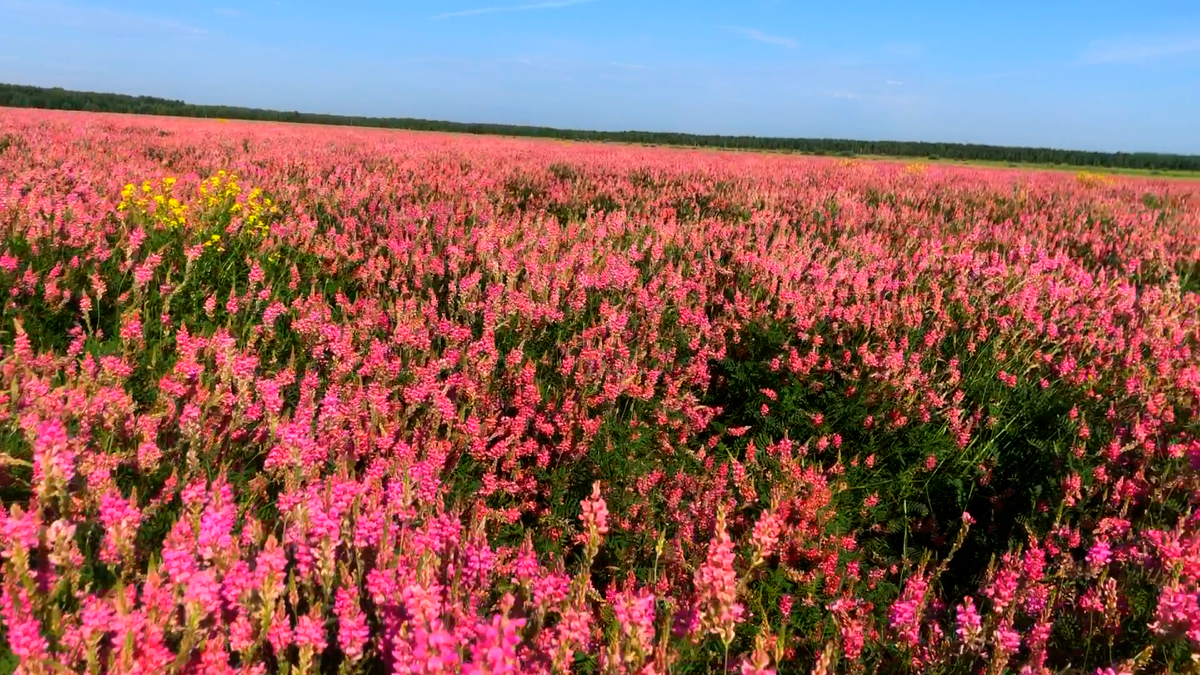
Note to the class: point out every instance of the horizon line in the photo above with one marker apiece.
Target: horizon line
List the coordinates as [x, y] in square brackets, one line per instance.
[363, 121]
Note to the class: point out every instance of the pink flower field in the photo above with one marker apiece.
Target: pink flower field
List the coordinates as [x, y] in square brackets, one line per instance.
[297, 399]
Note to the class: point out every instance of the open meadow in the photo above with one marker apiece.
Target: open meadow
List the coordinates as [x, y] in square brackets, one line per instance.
[299, 399]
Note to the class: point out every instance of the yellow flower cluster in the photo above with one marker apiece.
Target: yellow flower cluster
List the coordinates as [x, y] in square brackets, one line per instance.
[915, 169]
[168, 211]
[1090, 179]
[256, 207]
[219, 188]
[220, 195]
[223, 188]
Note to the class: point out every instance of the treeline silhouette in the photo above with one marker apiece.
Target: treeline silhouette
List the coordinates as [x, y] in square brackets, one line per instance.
[24, 96]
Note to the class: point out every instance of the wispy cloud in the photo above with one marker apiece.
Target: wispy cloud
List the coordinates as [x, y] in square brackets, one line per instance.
[895, 83]
[228, 11]
[846, 94]
[985, 77]
[1140, 50]
[766, 38]
[96, 18]
[553, 4]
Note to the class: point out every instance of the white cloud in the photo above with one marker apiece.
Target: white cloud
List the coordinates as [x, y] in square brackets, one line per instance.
[1139, 50]
[759, 36]
[554, 4]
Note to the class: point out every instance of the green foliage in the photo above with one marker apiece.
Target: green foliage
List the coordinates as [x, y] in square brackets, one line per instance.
[8, 661]
[1007, 477]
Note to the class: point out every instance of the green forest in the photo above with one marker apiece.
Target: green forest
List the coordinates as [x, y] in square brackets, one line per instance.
[23, 96]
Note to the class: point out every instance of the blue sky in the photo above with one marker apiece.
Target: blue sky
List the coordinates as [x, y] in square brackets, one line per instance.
[1099, 75]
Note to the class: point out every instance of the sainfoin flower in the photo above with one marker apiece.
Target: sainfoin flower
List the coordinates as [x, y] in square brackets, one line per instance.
[310, 636]
[969, 627]
[352, 629]
[717, 587]
[53, 458]
[905, 615]
[595, 519]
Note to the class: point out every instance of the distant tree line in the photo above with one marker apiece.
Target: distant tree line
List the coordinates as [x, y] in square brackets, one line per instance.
[23, 96]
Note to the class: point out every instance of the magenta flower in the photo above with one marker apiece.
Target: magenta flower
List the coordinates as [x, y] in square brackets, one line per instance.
[717, 587]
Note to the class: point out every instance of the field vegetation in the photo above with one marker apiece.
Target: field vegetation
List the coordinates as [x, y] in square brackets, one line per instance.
[300, 399]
